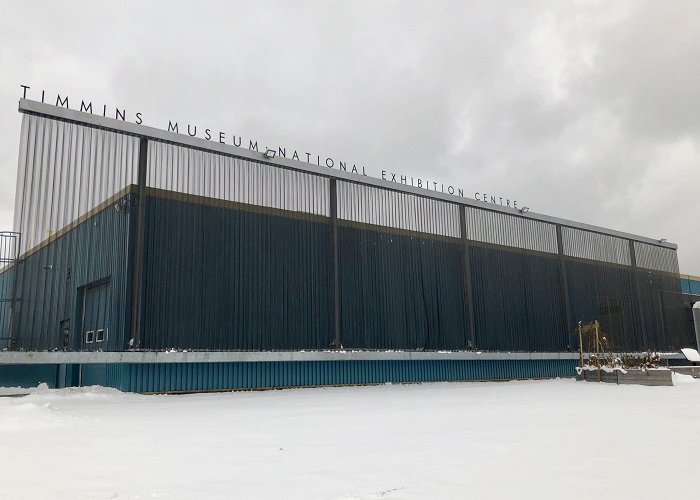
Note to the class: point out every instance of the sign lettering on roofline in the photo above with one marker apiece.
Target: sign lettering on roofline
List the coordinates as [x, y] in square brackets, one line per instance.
[252, 144]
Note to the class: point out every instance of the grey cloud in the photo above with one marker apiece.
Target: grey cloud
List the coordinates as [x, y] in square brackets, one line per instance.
[584, 110]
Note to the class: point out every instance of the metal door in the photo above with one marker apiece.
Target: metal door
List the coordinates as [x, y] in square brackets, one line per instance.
[96, 313]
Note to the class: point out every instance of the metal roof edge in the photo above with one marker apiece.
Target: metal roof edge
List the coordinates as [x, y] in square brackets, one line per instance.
[145, 131]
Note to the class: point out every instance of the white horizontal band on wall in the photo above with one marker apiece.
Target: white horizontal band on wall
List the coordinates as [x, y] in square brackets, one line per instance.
[502, 229]
[595, 246]
[656, 258]
[383, 207]
[191, 171]
[66, 170]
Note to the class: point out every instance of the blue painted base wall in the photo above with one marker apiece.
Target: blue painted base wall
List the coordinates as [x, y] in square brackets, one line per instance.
[165, 377]
[29, 375]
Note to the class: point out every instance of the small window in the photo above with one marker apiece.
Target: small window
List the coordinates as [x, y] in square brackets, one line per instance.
[100, 336]
[89, 337]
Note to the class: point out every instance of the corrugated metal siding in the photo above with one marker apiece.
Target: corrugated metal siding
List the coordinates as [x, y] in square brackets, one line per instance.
[223, 278]
[607, 294]
[232, 276]
[518, 302]
[400, 292]
[690, 286]
[95, 374]
[664, 311]
[166, 377]
[656, 257]
[258, 375]
[595, 246]
[66, 170]
[96, 249]
[501, 229]
[7, 275]
[383, 207]
[191, 171]
[28, 375]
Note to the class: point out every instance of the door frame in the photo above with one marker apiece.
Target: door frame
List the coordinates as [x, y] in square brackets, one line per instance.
[79, 341]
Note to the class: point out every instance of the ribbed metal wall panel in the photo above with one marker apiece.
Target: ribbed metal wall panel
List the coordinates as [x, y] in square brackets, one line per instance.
[29, 375]
[518, 304]
[383, 207]
[167, 377]
[7, 282]
[65, 171]
[595, 246]
[49, 280]
[227, 278]
[95, 374]
[400, 292]
[656, 257]
[195, 172]
[508, 230]
[224, 271]
[261, 375]
[690, 284]
[607, 293]
[665, 317]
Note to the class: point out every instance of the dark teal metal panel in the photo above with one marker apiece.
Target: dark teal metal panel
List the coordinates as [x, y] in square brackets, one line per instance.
[606, 293]
[51, 282]
[664, 311]
[221, 278]
[28, 375]
[94, 374]
[400, 292]
[518, 301]
[7, 280]
[260, 375]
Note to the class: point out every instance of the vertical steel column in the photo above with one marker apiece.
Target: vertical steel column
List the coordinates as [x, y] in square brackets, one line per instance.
[638, 293]
[467, 279]
[138, 256]
[564, 280]
[336, 265]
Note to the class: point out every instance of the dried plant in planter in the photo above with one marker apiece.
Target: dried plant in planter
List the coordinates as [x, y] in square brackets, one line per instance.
[647, 360]
[593, 340]
[651, 360]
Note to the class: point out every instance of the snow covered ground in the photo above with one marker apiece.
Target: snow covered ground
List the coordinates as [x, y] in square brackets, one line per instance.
[533, 439]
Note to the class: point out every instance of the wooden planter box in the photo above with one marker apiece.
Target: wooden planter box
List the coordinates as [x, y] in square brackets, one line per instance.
[652, 376]
[693, 371]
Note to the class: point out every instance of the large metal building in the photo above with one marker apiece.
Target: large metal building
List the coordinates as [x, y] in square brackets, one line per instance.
[152, 261]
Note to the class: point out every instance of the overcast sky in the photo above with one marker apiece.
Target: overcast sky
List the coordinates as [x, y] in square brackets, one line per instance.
[584, 110]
